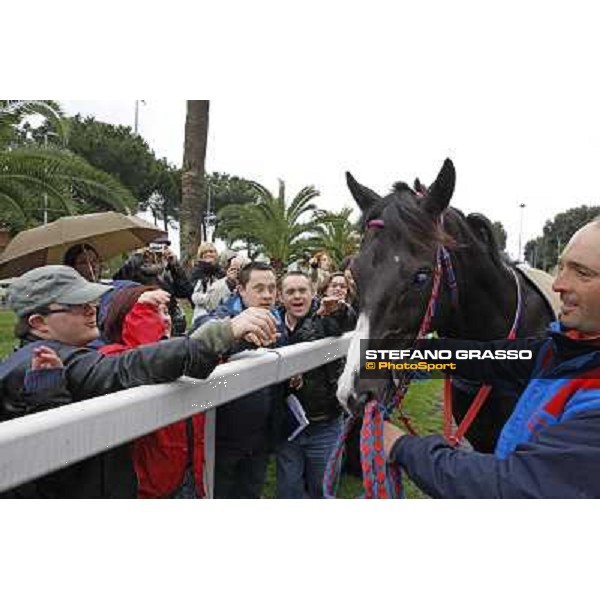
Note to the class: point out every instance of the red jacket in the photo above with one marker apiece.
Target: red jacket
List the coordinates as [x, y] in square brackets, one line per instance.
[160, 458]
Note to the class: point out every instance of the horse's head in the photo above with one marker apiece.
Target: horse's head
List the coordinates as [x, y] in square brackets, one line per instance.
[395, 267]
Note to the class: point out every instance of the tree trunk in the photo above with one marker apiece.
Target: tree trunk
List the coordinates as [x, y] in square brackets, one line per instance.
[193, 197]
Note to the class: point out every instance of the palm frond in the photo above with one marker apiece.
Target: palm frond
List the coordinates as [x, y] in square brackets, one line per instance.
[280, 230]
[13, 112]
[29, 172]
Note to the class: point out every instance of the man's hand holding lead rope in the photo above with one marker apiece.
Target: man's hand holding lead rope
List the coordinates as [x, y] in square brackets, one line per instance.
[391, 434]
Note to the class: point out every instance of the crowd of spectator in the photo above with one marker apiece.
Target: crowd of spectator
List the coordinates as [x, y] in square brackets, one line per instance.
[80, 338]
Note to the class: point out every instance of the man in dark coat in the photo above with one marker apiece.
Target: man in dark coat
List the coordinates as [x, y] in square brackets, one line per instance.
[243, 437]
[302, 458]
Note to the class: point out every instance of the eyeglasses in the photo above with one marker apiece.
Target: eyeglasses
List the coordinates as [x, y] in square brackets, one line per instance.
[74, 309]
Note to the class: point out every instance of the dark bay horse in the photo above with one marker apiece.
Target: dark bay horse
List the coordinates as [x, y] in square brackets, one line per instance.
[394, 274]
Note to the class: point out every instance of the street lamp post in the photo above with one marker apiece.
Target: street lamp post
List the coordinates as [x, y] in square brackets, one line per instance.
[210, 219]
[137, 115]
[521, 206]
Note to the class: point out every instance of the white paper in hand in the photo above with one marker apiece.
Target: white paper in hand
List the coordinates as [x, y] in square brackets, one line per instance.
[298, 414]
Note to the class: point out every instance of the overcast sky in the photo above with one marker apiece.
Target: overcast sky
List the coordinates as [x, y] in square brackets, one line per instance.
[508, 91]
[541, 148]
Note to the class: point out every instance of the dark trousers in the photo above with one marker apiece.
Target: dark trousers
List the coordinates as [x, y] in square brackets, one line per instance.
[239, 473]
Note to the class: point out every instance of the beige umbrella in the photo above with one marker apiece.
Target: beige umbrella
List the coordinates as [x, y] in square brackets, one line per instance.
[110, 233]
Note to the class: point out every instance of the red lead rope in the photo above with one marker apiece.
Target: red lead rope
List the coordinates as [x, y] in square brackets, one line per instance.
[456, 437]
[484, 391]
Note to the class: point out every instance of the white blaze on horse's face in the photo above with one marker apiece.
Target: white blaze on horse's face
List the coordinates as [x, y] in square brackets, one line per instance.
[346, 382]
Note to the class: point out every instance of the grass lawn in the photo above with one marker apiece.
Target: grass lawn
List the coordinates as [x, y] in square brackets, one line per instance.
[422, 404]
[7, 340]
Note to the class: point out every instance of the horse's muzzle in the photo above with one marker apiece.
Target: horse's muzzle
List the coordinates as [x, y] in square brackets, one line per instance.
[357, 403]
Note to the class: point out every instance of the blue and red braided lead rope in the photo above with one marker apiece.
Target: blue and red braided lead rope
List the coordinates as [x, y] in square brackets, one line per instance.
[333, 469]
[380, 478]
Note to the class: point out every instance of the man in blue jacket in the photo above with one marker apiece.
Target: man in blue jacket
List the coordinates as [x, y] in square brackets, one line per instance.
[550, 446]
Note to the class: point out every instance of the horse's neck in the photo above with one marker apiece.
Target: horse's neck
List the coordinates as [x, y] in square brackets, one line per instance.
[487, 300]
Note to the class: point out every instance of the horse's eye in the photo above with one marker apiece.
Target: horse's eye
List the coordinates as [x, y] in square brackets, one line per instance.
[421, 278]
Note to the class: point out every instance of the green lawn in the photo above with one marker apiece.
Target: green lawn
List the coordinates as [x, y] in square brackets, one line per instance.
[422, 404]
[7, 340]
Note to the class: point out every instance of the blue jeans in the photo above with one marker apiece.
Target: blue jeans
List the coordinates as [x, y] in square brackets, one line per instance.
[301, 463]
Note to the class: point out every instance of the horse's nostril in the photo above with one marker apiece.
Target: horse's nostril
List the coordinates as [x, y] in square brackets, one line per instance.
[364, 398]
[356, 404]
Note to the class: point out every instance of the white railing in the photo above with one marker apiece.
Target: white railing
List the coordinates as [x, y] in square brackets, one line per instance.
[37, 444]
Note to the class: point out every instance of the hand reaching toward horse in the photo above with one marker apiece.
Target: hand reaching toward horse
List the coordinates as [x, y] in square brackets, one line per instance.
[255, 325]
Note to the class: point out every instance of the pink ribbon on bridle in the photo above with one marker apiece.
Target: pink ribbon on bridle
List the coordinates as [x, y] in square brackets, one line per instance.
[376, 224]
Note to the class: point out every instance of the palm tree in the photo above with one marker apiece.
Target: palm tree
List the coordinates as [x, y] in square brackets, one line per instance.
[12, 113]
[337, 235]
[37, 179]
[193, 196]
[273, 225]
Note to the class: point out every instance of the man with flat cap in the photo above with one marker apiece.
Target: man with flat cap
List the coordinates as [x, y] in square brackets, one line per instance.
[56, 308]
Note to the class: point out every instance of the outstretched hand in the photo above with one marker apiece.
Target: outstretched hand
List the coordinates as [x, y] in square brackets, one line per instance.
[255, 325]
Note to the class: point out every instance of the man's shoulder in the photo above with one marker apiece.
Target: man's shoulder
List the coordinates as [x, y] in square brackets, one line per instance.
[232, 307]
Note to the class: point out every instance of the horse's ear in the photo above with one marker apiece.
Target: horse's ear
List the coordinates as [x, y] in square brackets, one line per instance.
[420, 189]
[441, 190]
[365, 198]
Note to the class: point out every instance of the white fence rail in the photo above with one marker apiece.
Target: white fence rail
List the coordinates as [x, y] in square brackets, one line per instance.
[37, 444]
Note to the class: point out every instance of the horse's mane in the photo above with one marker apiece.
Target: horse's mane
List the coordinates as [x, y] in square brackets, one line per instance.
[404, 215]
[408, 220]
[481, 227]
[400, 187]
